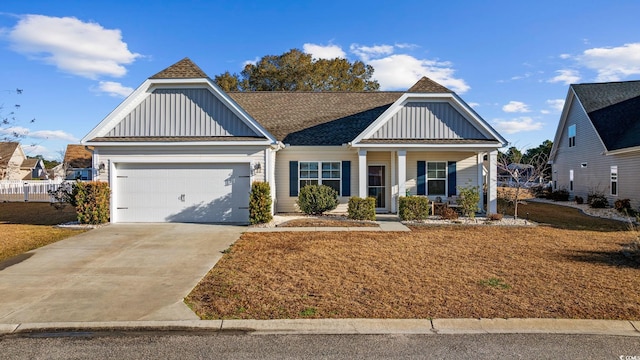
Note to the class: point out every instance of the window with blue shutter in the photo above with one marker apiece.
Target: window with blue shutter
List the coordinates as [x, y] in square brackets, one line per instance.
[422, 173]
[451, 177]
[346, 178]
[293, 178]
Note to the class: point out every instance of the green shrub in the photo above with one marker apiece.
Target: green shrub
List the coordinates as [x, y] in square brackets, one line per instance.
[597, 200]
[362, 209]
[317, 199]
[468, 199]
[413, 208]
[92, 202]
[579, 200]
[449, 214]
[260, 203]
[560, 195]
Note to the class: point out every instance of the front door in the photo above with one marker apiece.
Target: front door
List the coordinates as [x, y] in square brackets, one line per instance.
[376, 185]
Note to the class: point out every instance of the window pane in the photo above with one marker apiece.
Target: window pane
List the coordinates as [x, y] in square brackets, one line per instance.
[304, 183]
[335, 184]
[572, 131]
[437, 170]
[614, 188]
[436, 187]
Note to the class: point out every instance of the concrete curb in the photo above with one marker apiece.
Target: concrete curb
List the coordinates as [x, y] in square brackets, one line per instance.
[348, 326]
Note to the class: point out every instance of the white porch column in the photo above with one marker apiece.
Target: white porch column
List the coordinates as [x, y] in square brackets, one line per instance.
[362, 173]
[492, 186]
[481, 181]
[394, 181]
[270, 175]
[402, 173]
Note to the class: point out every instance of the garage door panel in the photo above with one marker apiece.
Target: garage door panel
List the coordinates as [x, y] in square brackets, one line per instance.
[183, 192]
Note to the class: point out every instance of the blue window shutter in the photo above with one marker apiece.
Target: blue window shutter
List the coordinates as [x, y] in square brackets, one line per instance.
[293, 178]
[346, 178]
[451, 177]
[422, 174]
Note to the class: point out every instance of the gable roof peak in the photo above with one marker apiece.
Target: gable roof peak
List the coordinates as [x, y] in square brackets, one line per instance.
[183, 69]
[426, 85]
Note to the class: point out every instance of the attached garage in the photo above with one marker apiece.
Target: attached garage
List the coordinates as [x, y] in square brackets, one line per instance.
[173, 192]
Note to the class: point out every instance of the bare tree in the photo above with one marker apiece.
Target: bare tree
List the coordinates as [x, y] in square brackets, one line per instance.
[522, 174]
[8, 121]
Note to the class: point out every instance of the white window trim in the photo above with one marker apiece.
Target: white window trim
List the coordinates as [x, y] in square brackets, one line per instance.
[319, 178]
[613, 178]
[575, 130]
[446, 178]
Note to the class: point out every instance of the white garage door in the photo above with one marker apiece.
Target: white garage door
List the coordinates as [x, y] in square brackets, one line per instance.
[202, 193]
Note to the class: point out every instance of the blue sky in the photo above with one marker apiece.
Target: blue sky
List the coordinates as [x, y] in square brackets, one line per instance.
[512, 61]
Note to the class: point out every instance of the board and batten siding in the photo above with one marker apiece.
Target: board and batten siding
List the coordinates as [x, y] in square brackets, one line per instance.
[181, 112]
[428, 120]
[466, 167]
[181, 154]
[286, 203]
[589, 150]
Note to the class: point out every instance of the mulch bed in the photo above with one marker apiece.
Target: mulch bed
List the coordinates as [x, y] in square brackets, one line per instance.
[431, 272]
[326, 222]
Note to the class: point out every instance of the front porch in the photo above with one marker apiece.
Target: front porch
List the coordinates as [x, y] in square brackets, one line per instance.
[388, 175]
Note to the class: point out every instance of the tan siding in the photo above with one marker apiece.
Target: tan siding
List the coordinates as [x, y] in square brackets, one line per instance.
[286, 203]
[466, 167]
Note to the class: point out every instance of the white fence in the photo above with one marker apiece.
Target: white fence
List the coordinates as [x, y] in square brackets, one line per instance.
[28, 190]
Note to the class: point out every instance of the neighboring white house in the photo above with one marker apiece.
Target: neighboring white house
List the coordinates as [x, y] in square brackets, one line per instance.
[597, 143]
[181, 149]
[14, 164]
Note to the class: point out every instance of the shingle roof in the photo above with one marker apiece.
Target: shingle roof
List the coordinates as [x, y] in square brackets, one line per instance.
[176, 138]
[315, 118]
[7, 149]
[183, 69]
[29, 163]
[614, 110]
[77, 157]
[426, 85]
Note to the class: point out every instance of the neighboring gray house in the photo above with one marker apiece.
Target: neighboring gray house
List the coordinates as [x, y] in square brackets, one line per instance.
[597, 143]
[179, 149]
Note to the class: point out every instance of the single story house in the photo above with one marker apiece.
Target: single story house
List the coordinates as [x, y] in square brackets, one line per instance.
[14, 164]
[181, 149]
[597, 142]
[77, 163]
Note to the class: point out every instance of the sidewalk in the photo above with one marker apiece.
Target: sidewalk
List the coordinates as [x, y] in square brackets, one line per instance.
[347, 326]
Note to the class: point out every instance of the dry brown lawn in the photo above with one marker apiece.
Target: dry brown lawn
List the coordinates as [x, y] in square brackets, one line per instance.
[27, 226]
[431, 272]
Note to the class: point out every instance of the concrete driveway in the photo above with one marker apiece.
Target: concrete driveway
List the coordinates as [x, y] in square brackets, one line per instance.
[114, 273]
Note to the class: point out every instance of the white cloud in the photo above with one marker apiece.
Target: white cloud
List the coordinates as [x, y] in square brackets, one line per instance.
[613, 63]
[566, 76]
[400, 71]
[250, 62]
[53, 135]
[406, 46]
[114, 88]
[324, 51]
[556, 104]
[565, 56]
[545, 112]
[516, 107]
[39, 134]
[81, 48]
[367, 52]
[517, 125]
[473, 104]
